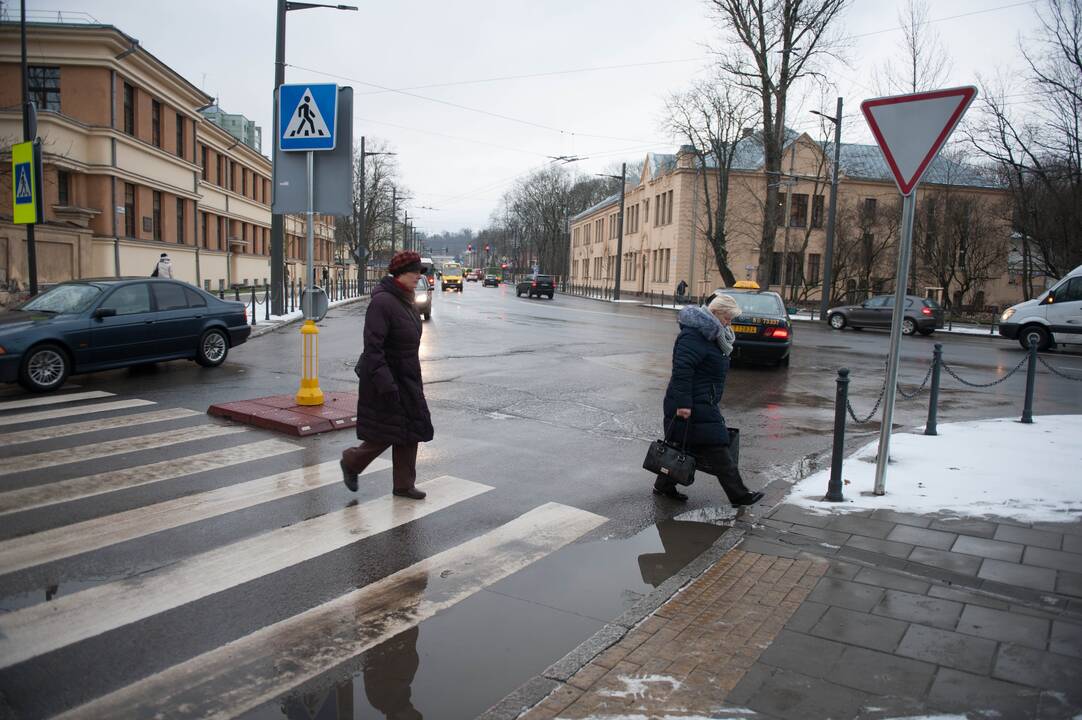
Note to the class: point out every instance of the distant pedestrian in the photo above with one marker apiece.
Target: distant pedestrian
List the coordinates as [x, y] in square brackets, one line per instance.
[326, 276]
[682, 288]
[700, 362]
[391, 407]
[164, 267]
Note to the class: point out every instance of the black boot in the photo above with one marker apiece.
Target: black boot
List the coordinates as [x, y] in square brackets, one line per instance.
[349, 478]
[412, 493]
[749, 499]
[668, 490]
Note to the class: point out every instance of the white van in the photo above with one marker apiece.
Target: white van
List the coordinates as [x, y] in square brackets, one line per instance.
[1054, 318]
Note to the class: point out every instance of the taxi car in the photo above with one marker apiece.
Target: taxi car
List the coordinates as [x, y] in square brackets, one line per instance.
[764, 332]
[452, 277]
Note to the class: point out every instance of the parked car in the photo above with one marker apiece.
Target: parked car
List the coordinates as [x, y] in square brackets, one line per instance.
[536, 285]
[493, 276]
[764, 332]
[452, 277]
[922, 315]
[1050, 319]
[90, 325]
[422, 298]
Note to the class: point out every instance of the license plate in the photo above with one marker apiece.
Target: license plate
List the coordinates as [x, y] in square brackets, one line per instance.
[745, 329]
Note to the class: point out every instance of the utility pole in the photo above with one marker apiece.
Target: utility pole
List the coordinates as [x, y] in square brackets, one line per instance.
[30, 129]
[406, 230]
[360, 225]
[828, 259]
[394, 212]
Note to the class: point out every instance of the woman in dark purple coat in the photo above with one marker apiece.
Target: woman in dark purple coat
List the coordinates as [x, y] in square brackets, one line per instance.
[391, 407]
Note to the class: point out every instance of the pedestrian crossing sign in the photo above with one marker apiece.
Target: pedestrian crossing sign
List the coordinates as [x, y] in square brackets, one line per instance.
[307, 114]
[24, 184]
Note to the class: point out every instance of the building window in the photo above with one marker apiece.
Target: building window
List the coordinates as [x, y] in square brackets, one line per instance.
[157, 226]
[203, 152]
[156, 123]
[244, 182]
[798, 211]
[813, 267]
[180, 221]
[129, 210]
[44, 86]
[232, 178]
[869, 208]
[222, 233]
[180, 135]
[129, 109]
[779, 210]
[817, 211]
[668, 219]
[63, 188]
[205, 227]
[646, 210]
[221, 170]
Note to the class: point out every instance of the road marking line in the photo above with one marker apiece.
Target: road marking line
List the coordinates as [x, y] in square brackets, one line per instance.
[68, 540]
[39, 400]
[69, 412]
[43, 628]
[79, 428]
[80, 453]
[106, 482]
[237, 677]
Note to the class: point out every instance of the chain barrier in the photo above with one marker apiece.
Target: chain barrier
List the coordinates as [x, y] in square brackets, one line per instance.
[920, 389]
[997, 381]
[878, 402]
[1060, 373]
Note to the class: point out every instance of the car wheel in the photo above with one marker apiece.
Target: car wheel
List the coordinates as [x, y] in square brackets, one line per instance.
[428, 316]
[837, 321]
[926, 331]
[909, 326]
[212, 349]
[45, 368]
[550, 296]
[1034, 334]
[518, 293]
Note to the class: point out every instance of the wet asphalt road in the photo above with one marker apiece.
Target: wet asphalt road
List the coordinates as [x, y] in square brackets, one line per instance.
[543, 401]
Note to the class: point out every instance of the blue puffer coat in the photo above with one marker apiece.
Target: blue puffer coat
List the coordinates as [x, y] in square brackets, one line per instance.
[698, 379]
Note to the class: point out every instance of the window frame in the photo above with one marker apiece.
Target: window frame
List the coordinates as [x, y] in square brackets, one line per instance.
[122, 288]
[181, 143]
[43, 89]
[63, 187]
[181, 210]
[156, 123]
[129, 109]
[156, 215]
[130, 208]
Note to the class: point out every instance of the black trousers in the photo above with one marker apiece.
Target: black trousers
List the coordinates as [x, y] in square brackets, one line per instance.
[716, 460]
[403, 461]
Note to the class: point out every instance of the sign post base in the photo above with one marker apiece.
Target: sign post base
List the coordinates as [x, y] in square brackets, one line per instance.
[309, 392]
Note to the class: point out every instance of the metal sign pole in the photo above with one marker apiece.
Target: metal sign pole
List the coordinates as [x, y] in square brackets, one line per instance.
[909, 204]
[310, 270]
[310, 392]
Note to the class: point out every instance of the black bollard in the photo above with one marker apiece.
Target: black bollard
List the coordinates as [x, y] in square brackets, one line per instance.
[841, 399]
[1031, 383]
[221, 294]
[933, 399]
[254, 306]
[236, 293]
[266, 303]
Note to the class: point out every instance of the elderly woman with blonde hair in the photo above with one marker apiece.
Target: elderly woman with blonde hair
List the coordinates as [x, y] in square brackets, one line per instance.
[700, 362]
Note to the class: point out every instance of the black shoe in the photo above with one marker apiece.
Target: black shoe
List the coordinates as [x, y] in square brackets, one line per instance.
[671, 493]
[349, 478]
[412, 493]
[750, 499]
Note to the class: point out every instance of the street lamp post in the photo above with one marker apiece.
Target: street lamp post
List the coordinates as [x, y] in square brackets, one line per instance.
[622, 177]
[277, 226]
[828, 259]
[359, 223]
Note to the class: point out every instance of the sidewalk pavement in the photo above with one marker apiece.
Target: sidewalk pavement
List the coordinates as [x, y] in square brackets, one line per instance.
[262, 326]
[857, 613]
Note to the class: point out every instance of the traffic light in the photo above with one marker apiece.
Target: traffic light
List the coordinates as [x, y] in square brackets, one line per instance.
[487, 248]
[503, 266]
[469, 248]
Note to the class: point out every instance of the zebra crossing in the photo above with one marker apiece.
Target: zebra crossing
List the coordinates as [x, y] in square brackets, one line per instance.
[220, 523]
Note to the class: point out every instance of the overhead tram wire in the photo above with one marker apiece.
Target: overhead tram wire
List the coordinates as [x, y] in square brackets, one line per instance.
[450, 137]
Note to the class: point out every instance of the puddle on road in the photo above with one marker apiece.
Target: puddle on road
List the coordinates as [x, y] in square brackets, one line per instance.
[18, 601]
[462, 661]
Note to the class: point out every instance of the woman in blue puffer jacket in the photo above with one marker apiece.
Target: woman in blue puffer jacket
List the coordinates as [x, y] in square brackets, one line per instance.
[700, 361]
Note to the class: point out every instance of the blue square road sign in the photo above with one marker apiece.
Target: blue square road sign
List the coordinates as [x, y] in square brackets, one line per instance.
[307, 115]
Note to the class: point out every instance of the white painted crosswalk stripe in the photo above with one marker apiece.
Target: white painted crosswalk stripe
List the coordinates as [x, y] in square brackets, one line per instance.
[65, 541]
[33, 631]
[81, 453]
[80, 428]
[255, 669]
[105, 482]
[39, 400]
[29, 417]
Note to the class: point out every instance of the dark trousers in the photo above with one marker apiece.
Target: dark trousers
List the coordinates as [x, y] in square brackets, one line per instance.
[403, 461]
[714, 459]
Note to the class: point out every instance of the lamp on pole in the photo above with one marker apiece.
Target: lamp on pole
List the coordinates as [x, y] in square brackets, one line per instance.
[828, 255]
[277, 226]
[622, 177]
[360, 221]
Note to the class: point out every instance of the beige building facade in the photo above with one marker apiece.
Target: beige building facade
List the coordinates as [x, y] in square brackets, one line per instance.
[666, 217]
[133, 169]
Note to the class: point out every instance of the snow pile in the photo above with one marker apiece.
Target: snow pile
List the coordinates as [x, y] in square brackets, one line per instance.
[1030, 473]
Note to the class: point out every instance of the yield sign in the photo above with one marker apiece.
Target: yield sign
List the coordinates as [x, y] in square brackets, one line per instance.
[911, 129]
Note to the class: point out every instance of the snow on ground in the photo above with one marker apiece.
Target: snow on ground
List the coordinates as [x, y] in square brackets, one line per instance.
[957, 329]
[989, 467]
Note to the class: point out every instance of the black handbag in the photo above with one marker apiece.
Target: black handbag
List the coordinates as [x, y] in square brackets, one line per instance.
[674, 462]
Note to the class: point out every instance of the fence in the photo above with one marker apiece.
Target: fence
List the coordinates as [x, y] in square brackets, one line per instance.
[605, 292]
[842, 406]
[257, 300]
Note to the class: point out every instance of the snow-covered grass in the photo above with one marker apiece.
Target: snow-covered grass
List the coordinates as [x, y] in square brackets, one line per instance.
[989, 467]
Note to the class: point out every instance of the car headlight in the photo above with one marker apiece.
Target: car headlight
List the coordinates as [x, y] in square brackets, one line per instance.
[421, 297]
[1006, 315]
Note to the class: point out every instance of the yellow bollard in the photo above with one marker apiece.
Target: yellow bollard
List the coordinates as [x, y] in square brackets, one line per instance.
[309, 392]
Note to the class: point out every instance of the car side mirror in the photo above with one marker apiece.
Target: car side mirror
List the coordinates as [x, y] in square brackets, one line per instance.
[104, 313]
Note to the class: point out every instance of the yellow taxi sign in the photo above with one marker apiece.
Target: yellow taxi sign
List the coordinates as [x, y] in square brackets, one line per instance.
[746, 285]
[26, 185]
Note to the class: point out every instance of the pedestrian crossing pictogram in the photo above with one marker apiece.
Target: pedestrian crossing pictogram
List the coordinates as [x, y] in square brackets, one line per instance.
[137, 543]
[23, 189]
[307, 115]
[307, 120]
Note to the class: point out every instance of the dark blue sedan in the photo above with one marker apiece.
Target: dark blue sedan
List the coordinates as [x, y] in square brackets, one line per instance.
[90, 325]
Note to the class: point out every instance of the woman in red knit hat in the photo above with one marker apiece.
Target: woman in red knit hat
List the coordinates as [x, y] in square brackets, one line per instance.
[391, 407]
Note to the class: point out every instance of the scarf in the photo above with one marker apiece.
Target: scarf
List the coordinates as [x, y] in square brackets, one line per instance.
[725, 340]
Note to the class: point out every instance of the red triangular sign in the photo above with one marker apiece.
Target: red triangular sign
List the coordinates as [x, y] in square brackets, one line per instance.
[911, 129]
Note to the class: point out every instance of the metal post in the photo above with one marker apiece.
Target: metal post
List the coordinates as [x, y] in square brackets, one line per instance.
[360, 221]
[933, 400]
[620, 231]
[29, 131]
[253, 305]
[824, 296]
[1031, 383]
[277, 232]
[841, 399]
[309, 392]
[394, 211]
[901, 275]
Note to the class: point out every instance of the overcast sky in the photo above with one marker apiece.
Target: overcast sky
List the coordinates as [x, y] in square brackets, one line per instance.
[583, 100]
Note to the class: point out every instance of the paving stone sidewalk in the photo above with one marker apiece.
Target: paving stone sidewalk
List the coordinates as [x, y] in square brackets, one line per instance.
[868, 615]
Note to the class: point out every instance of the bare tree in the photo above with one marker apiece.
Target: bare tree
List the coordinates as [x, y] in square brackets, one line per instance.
[923, 62]
[380, 175]
[769, 46]
[711, 116]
